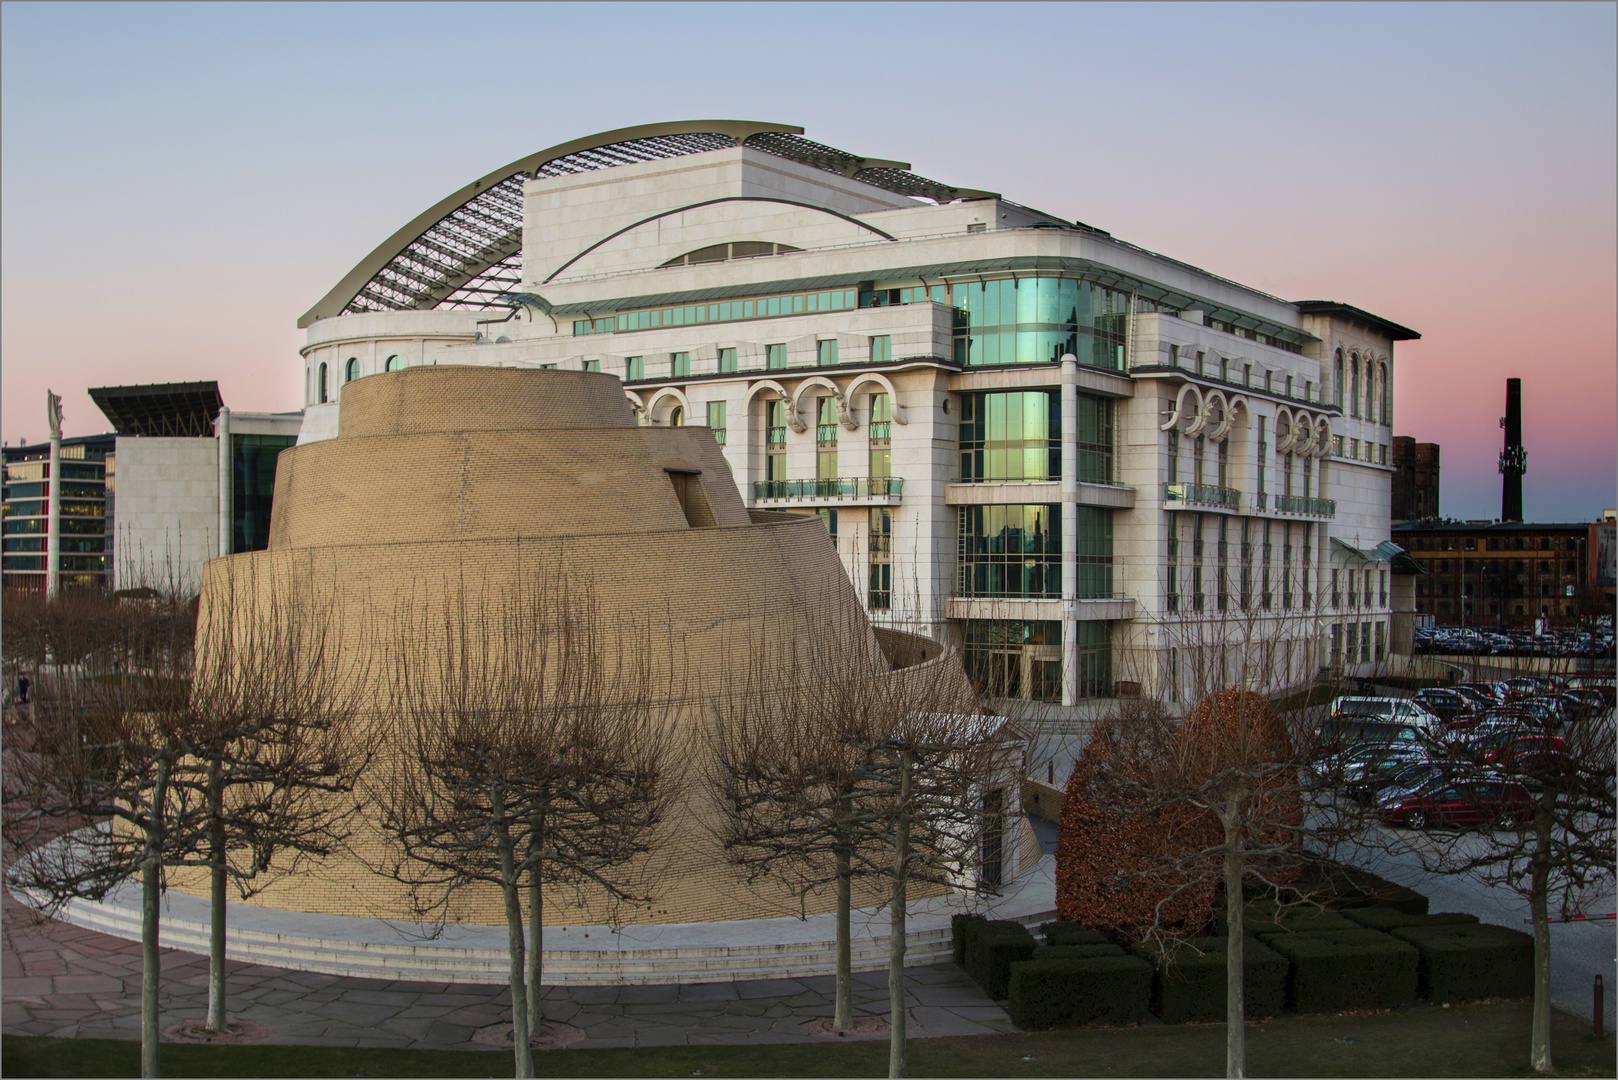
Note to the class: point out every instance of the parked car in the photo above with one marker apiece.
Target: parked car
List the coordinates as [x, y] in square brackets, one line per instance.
[1502, 803]
[1448, 705]
[1581, 704]
[1494, 692]
[1338, 737]
[1387, 709]
[1370, 768]
[1522, 687]
[1604, 685]
[1522, 752]
[1471, 693]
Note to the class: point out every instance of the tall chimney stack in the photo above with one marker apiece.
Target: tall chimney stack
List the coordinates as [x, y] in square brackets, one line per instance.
[1513, 459]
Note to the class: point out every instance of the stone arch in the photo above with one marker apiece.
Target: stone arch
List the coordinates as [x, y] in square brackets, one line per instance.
[1215, 415]
[771, 386]
[1322, 437]
[1283, 442]
[820, 381]
[1230, 406]
[637, 405]
[1303, 433]
[1193, 418]
[662, 405]
[894, 408]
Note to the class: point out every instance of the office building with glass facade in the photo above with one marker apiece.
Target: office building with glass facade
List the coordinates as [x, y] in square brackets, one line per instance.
[86, 514]
[1097, 470]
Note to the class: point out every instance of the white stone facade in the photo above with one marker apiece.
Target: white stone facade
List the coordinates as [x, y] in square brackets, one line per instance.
[596, 244]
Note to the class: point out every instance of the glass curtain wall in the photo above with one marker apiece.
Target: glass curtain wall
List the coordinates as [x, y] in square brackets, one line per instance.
[1036, 320]
[1095, 439]
[1015, 659]
[1010, 551]
[1011, 436]
[1094, 554]
[252, 485]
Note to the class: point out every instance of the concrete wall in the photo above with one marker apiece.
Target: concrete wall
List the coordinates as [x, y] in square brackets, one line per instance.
[168, 510]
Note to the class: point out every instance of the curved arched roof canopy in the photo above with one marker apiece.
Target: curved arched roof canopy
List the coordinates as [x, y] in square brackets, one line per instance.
[466, 251]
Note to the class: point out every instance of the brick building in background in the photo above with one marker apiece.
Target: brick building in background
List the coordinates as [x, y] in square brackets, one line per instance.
[1415, 479]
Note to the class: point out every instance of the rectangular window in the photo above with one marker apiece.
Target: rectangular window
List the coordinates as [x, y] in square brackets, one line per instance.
[680, 365]
[592, 365]
[826, 353]
[634, 368]
[1011, 436]
[879, 431]
[1173, 472]
[775, 443]
[1011, 551]
[1382, 454]
[727, 361]
[1337, 445]
[777, 356]
[716, 421]
[1015, 659]
[1094, 451]
[828, 518]
[1365, 643]
[1094, 538]
[881, 349]
[879, 542]
[1224, 464]
[1197, 447]
[1269, 382]
[1289, 386]
[826, 442]
[1093, 641]
[1174, 356]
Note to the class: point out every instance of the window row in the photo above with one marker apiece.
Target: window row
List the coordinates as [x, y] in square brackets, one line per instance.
[1377, 387]
[1196, 360]
[319, 392]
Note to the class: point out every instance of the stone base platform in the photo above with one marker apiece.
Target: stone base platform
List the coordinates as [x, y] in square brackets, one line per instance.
[709, 952]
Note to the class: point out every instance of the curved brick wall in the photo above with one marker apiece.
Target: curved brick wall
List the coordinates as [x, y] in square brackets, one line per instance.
[376, 532]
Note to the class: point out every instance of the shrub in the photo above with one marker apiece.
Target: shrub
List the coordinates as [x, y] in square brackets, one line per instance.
[1189, 982]
[1068, 993]
[1333, 970]
[957, 935]
[1076, 952]
[1300, 921]
[991, 948]
[1066, 933]
[1348, 887]
[1462, 962]
[1389, 919]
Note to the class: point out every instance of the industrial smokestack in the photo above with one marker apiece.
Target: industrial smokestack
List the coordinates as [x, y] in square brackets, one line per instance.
[1513, 459]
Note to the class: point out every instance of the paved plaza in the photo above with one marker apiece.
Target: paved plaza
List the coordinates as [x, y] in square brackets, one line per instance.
[68, 982]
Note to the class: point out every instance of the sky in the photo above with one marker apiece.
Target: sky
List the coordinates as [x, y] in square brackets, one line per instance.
[178, 183]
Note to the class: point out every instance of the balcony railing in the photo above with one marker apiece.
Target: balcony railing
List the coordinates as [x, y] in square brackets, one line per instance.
[852, 487]
[1296, 504]
[1202, 494]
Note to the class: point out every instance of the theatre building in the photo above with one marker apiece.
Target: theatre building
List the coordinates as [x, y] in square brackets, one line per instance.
[1097, 469]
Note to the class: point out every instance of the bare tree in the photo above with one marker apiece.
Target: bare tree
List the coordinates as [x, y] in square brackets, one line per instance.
[107, 750]
[1548, 801]
[529, 750]
[278, 743]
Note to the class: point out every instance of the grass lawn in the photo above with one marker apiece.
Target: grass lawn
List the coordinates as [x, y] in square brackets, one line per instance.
[1476, 1040]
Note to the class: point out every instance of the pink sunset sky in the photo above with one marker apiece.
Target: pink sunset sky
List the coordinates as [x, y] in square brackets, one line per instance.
[181, 182]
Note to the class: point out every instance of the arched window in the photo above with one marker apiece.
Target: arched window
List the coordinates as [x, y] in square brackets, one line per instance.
[351, 370]
[1354, 384]
[323, 383]
[677, 417]
[395, 363]
[1387, 393]
[1337, 381]
[1370, 390]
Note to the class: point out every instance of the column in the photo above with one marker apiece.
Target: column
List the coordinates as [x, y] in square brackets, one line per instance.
[1070, 529]
[53, 534]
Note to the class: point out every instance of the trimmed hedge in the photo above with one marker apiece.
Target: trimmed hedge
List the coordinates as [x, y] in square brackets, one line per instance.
[1389, 919]
[957, 935]
[1075, 952]
[1301, 921]
[1068, 993]
[1462, 963]
[1334, 970]
[1189, 982]
[991, 949]
[1069, 933]
[1347, 887]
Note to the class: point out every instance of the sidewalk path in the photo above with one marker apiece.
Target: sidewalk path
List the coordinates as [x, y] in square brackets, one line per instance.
[68, 982]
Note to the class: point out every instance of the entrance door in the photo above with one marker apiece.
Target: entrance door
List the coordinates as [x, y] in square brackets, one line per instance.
[1005, 673]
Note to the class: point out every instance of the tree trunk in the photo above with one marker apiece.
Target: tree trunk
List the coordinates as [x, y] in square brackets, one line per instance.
[520, 1049]
[216, 899]
[843, 1019]
[896, 926]
[1539, 1055]
[151, 879]
[1235, 960]
[536, 926]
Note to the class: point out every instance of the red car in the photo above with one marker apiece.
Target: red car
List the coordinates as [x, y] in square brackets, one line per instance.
[1523, 749]
[1472, 802]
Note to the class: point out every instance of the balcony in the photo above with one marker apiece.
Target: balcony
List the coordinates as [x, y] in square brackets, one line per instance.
[1295, 504]
[1203, 495]
[841, 491]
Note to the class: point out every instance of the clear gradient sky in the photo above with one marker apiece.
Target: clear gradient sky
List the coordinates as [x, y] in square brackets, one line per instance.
[181, 182]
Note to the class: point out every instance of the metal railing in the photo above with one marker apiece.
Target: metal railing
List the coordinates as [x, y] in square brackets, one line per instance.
[1297, 504]
[852, 487]
[1202, 494]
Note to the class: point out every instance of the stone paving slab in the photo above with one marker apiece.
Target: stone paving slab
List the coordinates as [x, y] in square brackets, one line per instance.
[69, 982]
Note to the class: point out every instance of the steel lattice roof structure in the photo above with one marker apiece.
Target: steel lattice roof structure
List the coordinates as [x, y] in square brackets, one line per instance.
[465, 252]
